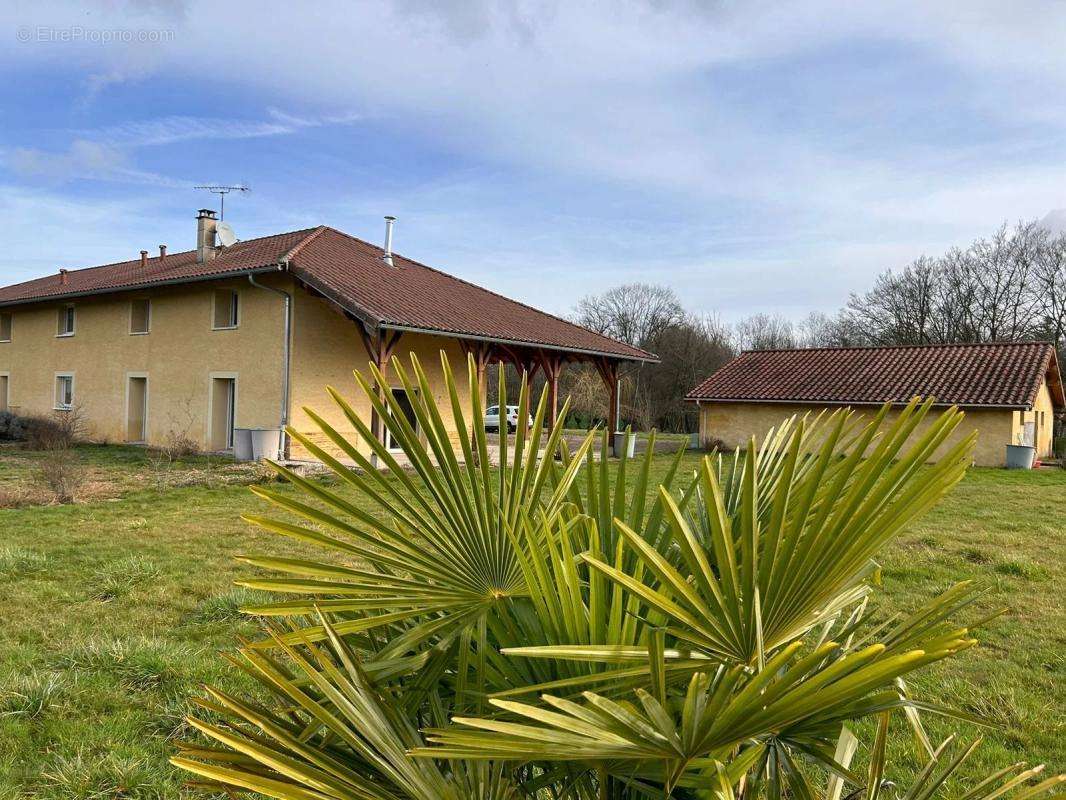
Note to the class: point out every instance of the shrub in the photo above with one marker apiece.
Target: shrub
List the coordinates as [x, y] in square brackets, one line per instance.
[45, 433]
[559, 629]
[12, 427]
[716, 445]
[179, 445]
[60, 430]
[63, 473]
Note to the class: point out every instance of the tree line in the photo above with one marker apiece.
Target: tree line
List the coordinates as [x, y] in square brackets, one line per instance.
[1010, 286]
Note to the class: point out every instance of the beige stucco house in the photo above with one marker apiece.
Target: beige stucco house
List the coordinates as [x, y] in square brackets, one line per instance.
[199, 342]
[1009, 391]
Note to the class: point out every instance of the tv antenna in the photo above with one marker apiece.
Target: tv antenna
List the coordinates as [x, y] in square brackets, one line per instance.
[222, 191]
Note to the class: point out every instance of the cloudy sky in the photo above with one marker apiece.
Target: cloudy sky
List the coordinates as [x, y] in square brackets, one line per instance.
[754, 156]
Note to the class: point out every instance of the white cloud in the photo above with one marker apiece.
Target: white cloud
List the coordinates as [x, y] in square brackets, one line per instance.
[83, 160]
[174, 129]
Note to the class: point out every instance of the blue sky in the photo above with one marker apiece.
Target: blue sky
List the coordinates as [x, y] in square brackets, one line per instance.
[756, 157]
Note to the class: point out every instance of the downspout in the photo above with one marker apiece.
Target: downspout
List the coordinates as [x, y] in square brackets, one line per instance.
[286, 358]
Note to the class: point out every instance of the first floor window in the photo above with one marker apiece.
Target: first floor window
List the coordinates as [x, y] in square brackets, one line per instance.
[65, 322]
[5, 327]
[226, 309]
[140, 316]
[64, 391]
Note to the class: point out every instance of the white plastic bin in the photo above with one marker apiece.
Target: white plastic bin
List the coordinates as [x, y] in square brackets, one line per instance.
[625, 443]
[242, 444]
[1020, 456]
[265, 442]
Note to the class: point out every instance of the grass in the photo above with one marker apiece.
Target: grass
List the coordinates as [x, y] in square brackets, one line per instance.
[115, 610]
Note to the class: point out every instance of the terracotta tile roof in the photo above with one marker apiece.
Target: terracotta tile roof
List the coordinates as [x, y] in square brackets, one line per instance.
[175, 268]
[351, 273]
[413, 295]
[1001, 374]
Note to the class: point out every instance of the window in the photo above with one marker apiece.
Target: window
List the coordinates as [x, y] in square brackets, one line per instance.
[140, 316]
[65, 322]
[5, 327]
[226, 309]
[5, 391]
[64, 390]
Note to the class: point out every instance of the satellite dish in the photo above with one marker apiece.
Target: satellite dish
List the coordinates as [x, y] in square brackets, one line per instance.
[226, 236]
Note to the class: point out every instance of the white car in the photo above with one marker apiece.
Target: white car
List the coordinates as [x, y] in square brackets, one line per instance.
[492, 419]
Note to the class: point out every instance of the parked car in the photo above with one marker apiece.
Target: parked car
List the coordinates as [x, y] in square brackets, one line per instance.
[492, 419]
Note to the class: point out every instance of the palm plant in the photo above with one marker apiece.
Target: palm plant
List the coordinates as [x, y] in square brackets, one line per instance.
[549, 626]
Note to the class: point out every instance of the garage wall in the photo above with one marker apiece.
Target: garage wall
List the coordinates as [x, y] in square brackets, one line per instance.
[736, 423]
[1042, 415]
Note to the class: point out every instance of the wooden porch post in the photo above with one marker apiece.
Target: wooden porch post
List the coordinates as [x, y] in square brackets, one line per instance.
[379, 347]
[552, 365]
[482, 353]
[609, 372]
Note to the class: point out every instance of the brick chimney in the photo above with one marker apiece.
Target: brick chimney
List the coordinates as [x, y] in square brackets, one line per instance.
[206, 223]
[63, 279]
[144, 259]
[162, 253]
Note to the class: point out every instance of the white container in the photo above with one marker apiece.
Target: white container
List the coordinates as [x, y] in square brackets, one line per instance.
[624, 442]
[265, 443]
[1020, 456]
[242, 444]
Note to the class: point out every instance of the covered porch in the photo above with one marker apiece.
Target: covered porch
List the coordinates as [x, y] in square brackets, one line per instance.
[530, 359]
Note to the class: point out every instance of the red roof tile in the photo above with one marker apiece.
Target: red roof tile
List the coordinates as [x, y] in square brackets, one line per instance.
[1001, 374]
[351, 273]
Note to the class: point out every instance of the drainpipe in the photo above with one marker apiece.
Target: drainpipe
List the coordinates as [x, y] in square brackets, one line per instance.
[286, 357]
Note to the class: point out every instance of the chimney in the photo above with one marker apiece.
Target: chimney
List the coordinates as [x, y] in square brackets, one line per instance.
[162, 253]
[144, 259]
[206, 222]
[63, 279]
[387, 258]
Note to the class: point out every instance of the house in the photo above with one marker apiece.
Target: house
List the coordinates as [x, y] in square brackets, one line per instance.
[1010, 391]
[196, 343]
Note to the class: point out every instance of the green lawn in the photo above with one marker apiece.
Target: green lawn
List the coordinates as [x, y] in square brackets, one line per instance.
[114, 608]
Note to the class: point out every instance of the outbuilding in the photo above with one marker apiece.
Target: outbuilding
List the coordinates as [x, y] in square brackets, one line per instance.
[1010, 391]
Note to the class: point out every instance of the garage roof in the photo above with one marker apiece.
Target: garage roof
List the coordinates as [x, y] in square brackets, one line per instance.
[1000, 375]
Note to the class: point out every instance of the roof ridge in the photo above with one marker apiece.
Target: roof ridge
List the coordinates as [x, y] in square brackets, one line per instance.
[924, 345]
[304, 241]
[489, 291]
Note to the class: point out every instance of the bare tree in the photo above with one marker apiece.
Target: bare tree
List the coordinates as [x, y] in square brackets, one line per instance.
[1049, 272]
[765, 332]
[689, 351]
[998, 271]
[651, 317]
[819, 329]
[634, 312]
